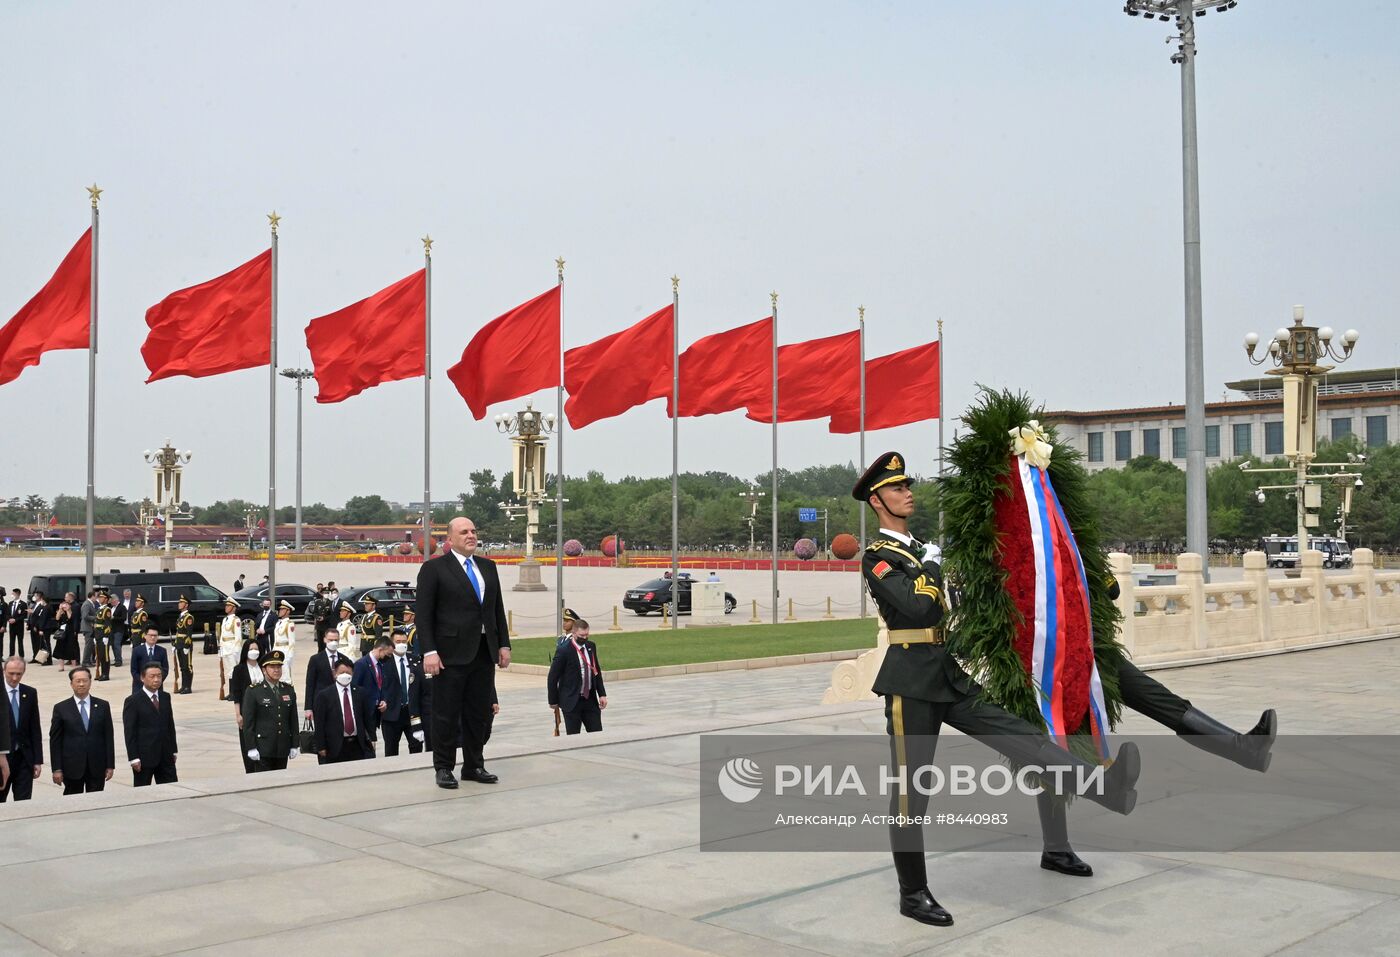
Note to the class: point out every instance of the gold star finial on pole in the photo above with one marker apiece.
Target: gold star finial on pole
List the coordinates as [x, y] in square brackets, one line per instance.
[675, 284]
[940, 328]
[774, 296]
[274, 219]
[559, 263]
[427, 245]
[93, 194]
[862, 314]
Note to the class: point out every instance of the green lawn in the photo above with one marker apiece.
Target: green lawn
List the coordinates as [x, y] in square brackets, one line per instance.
[648, 649]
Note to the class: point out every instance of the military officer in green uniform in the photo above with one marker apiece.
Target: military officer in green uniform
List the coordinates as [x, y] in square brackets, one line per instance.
[270, 718]
[924, 687]
[184, 647]
[370, 625]
[102, 634]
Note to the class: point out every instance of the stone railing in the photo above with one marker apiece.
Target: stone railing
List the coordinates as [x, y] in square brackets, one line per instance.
[1193, 622]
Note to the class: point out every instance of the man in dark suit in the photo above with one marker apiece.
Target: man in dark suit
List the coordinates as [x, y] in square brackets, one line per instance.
[121, 614]
[575, 682]
[149, 652]
[17, 613]
[342, 716]
[403, 714]
[463, 634]
[267, 621]
[373, 677]
[320, 672]
[41, 625]
[148, 721]
[81, 742]
[26, 746]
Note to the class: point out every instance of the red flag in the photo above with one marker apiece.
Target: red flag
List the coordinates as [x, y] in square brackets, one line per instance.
[815, 379]
[218, 326]
[900, 388]
[512, 355]
[53, 520]
[727, 370]
[610, 376]
[56, 318]
[379, 339]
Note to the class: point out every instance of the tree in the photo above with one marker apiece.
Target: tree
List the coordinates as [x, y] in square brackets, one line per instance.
[367, 510]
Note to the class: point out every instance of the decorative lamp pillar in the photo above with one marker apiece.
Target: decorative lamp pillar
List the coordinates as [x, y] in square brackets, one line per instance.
[168, 466]
[528, 429]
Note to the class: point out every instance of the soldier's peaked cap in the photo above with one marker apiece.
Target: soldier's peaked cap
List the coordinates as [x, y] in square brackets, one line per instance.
[369, 600]
[274, 658]
[286, 604]
[888, 469]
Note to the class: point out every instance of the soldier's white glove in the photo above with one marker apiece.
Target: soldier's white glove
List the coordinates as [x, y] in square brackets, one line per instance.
[293, 753]
[418, 736]
[253, 755]
[932, 552]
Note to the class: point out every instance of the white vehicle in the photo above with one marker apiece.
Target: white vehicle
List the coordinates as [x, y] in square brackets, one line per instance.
[1282, 550]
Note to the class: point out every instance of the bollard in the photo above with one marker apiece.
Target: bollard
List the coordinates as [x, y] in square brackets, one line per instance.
[615, 625]
[755, 619]
[665, 620]
[789, 614]
[510, 624]
[828, 608]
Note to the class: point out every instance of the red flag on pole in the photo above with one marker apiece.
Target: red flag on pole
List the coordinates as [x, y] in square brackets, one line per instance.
[727, 370]
[815, 379]
[512, 355]
[218, 326]
[56, 318]
[900, 388]
[53, 520]
[379, 339]
[610, 376]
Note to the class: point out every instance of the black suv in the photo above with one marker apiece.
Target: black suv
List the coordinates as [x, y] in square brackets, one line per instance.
[163, 591]
[390, 598]
[653, 595]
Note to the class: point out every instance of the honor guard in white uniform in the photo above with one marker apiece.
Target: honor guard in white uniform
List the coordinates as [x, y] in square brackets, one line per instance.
[230, 641]
[346, 631]
[284, 634]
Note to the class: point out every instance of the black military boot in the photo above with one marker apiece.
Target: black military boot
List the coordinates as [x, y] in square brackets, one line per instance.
[1054, 830]
[1250, 750]
[1119, 780]
[921, 906]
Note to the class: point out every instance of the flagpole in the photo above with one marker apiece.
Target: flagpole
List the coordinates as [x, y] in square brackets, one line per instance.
[559, 469]
[272, 219]
[940, 435]
[774, 297]
[427, 540]
[860, 462]
[675, 451]
[93, 194]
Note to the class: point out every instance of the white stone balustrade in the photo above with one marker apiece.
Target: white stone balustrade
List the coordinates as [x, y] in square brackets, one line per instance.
[1193, 622]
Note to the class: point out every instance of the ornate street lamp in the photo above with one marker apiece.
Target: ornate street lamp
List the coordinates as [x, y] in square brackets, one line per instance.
[528, 429]
[169, 466]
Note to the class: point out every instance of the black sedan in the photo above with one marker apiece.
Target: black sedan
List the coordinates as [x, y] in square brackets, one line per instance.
[391, 598]
[250, 599]
[654, 595]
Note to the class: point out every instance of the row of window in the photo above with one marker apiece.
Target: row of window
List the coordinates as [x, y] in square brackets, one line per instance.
[1241, 439]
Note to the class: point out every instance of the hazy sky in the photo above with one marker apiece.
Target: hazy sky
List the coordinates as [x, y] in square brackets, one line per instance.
[1012, 167]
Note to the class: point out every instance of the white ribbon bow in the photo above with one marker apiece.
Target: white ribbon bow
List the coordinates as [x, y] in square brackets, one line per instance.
[1030, 440]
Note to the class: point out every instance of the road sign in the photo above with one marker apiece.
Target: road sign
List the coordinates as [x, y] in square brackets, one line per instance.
[806, 515]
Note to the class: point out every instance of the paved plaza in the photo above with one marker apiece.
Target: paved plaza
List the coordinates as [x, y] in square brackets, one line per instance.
[589, 846]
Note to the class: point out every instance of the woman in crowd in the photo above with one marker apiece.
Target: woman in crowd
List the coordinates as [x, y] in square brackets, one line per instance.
[245, 674]
[66, 628]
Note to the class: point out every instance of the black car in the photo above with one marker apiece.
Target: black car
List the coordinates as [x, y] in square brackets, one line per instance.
[391, 598]
[250, 599]
[654, 595]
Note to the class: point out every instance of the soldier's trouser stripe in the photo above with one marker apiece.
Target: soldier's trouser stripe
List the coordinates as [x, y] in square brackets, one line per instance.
[901, 755]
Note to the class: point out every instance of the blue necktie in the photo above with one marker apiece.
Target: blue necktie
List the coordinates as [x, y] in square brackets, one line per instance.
[14, 709]
[476, 582]
[82, 706]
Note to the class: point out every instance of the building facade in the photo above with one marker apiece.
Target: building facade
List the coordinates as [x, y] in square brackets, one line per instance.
[1364, 403]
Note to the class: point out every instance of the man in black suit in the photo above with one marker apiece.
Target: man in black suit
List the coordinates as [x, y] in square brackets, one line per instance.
[463, 634]
[148, 721]
[121, 614]
[342, 716]
[320, 672]
[267, 621]
[41, 625]
[81, 742]
[16, 612]
[26, 746]
[403, 711]
[575, 682]
[149, 652]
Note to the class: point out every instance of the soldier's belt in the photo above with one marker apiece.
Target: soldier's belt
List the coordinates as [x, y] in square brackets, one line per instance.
[916, 636]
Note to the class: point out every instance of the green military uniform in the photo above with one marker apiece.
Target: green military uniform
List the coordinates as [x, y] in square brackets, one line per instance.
[370, 627]
[924, 687]
[184, 650]
[102, 634]
[270, 720]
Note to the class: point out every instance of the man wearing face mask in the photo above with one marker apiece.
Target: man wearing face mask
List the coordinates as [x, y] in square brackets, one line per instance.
[267, 620]
[376, 679]
[403, 714]
[320, 671]
[344, 726]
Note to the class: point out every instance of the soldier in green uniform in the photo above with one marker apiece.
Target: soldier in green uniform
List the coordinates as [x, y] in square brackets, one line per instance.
[102, 634]
[370, 625]
[270, 718]
[184, 647]
[924, 686]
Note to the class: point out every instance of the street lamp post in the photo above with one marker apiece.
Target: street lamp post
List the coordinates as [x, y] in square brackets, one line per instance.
[1186, 12]
[527, 429]
[752, 496]
[299, 376]
[169, 466]
[147, 512]
[1295, 351]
